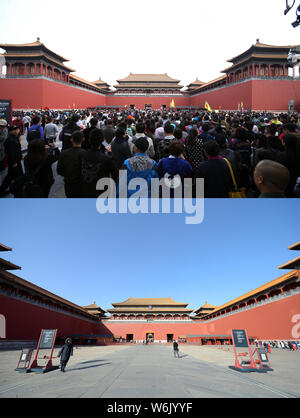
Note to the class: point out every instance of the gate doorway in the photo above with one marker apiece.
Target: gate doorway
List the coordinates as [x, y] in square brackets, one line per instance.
[170, 338]
[150, 337]
[129, 338]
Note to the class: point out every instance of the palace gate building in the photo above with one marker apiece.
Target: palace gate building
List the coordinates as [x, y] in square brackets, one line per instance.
[34, 77]
[270, 311]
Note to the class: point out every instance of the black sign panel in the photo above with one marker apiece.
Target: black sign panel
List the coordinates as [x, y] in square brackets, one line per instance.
[263, 355]
[240, 338]
[5, 110]
[47, 338]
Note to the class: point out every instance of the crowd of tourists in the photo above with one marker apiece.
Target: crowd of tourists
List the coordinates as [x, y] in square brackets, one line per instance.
[285, 345]
[238, 154]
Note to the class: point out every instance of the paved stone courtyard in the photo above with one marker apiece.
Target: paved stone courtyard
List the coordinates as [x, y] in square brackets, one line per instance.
[140, 371]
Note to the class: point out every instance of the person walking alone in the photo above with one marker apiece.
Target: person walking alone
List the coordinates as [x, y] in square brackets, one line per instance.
[65, 353]
[176, 349]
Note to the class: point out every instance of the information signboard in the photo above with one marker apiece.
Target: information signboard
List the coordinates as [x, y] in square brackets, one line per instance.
[240, 338]
[24, 360]
[263, 359]
[5, 110]
[243, 360]
[47, 339]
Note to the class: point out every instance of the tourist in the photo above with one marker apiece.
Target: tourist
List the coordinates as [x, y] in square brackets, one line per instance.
[175, 166]
[140, 133]
[3, 138]
[86, 133]
[176, 349]
[290, 158]
[108, 131]
[163, 145]
[178, 135]
[271, 179]
[241, 144]
[194, 149]
[205, 135]
[96, 165]
[226, 152]
[65, 353]
[13, 153]
[141, 166]
[267, 149]
[26, 122]
[67, 132]
[18, 121]
[70, 166]
[36, 131]
[51, 131]
[38, 164]
[120, 149]
[215, 172]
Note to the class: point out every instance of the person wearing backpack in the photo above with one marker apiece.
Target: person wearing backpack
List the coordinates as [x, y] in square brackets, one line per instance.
[67, 132]
[36, 131]
[141, 166]
[174, 169]
[12, 148]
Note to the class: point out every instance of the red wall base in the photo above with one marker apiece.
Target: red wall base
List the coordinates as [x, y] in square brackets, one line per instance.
[141, 101]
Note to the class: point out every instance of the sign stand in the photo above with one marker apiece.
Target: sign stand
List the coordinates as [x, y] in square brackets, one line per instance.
[24, 359]
[46, 341]
[240, 340]
[263, 359]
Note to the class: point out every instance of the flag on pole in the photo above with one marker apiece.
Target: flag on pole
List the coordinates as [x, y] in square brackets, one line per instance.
[172, 104]
[207, 107]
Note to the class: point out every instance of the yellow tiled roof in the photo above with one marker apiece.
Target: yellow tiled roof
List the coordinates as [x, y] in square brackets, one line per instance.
[149, 302]
[278, 281]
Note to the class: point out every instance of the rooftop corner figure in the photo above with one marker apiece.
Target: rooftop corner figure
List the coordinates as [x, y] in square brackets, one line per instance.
[65, 353]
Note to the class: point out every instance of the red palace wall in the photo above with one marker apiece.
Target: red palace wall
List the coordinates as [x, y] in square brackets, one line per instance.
[262, 95]
[276, 320]
[141, 101]
[271, 321]
[275, 94]
[24, 321]
[226, 97]
[40, 93]
[160, 330]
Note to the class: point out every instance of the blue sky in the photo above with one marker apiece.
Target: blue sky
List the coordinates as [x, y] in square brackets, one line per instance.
[69, 249]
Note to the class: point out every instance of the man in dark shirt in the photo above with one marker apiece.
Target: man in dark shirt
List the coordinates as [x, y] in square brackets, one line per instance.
[176, 349]
[108, 131]
[215, 172]
[70, 165]
[93, 125]
[67, 132]
[13, 151]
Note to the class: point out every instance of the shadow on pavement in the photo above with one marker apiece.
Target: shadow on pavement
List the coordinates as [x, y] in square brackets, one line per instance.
[88, 367]
[92, 361]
